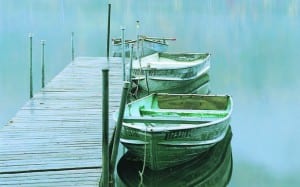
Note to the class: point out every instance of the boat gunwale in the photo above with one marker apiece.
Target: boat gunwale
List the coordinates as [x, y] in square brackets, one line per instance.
[180, 126]
[178, 142]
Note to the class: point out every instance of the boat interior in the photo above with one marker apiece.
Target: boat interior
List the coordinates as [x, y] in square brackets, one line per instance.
[207, 107]
[167, 60]
[186, 57]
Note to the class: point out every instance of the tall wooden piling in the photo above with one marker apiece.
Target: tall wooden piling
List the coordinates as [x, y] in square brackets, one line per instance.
[138, 41]
[104, 181]
[130, 65]
[123, 52]
[105, 126]
[72, 46]
[108, 31]
[30, 67]
[43, 62]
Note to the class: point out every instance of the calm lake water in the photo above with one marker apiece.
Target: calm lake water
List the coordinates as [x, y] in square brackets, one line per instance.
[255, 58]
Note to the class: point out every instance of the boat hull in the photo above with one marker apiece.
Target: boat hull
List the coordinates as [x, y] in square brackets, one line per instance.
[164, 149]
[200, 85]
[212, 168]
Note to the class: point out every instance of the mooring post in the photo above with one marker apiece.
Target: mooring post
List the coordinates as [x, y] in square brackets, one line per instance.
[72, 45]
[30, 66]
[105, 126]
[108, 31]
[123, 52]
[130, 65]
[43, 62]
[118, 130]
[138, 41]
[104, 180]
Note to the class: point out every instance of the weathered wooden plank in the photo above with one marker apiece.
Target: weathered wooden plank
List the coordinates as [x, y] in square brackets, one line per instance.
[55, 138]
[83, 177]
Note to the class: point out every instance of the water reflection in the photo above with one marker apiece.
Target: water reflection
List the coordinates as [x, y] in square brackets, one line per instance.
[212, 168]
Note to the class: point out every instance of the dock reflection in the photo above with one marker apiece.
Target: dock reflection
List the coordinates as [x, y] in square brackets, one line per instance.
[212, 168]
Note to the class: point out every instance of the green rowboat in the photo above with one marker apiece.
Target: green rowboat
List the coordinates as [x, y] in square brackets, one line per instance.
[172, 72]
[200, 85]
[164, 71]
[169, 129]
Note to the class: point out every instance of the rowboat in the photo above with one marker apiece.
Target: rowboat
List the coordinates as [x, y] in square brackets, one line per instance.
[145, 45]
[212, 168]
[169, 129]
[172, 72]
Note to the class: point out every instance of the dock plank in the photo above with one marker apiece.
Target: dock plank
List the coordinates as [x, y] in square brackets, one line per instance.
[55, 138]
[53, 178]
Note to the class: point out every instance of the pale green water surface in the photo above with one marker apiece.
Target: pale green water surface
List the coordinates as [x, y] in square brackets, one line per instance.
[255, 58]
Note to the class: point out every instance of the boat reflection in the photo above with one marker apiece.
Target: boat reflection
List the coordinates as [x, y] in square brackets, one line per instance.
[212, 168]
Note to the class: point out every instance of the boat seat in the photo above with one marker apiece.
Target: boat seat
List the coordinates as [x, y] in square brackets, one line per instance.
[183, 113]
[165, 120]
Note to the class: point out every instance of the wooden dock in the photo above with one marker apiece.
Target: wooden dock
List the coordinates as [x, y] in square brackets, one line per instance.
[55, 139]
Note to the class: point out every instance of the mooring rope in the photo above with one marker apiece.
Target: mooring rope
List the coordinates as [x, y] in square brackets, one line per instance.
[147, 84]
[141, 72]
[141, 173]
[140, 68]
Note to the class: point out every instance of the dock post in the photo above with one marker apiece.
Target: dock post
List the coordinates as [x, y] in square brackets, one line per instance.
[105, 125]
[138, 41]
[30, 66]
[104, 180]
[130, 65]
[108, 31]
[72, 45]
[123, 51]
[118, 130]
[43, 62]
